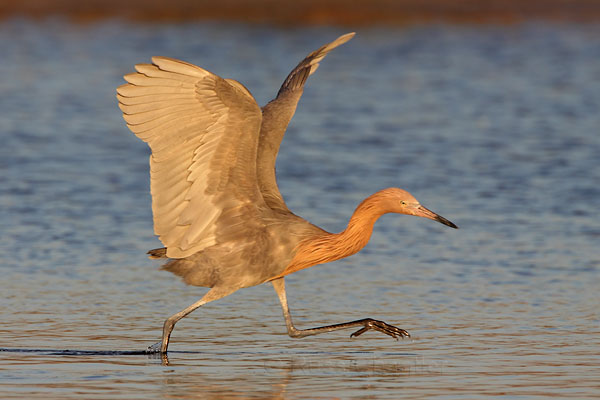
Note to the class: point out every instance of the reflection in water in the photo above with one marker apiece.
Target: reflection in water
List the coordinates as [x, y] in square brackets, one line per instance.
[494, 126]
[278, 377]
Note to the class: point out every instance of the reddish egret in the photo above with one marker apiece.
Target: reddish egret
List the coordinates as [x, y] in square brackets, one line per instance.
[216, 205]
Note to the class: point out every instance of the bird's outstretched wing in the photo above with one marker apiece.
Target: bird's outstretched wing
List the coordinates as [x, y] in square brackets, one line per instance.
[203, 131]
[276, 117]
[296, 79]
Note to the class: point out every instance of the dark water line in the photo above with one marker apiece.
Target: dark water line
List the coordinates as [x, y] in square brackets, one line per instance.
[72, 352]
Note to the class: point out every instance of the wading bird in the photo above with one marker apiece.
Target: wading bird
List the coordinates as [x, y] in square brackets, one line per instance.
[215, 201]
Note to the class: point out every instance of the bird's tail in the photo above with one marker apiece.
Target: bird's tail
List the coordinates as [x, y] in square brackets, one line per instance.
[158, 253]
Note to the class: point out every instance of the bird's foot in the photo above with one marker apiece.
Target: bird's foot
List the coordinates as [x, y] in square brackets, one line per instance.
[381, 327]
[155, 351]
[155, 348]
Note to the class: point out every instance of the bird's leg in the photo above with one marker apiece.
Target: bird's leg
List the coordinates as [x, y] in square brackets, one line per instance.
[211, 295]
[366, 323]
[170, 324]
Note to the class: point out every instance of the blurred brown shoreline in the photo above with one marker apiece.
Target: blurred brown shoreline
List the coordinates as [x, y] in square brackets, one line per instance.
[338, 12]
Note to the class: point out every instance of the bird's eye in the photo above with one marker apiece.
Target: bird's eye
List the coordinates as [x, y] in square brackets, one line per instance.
[403, 202]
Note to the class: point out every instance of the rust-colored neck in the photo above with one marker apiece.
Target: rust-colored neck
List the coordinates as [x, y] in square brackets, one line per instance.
[334, 246]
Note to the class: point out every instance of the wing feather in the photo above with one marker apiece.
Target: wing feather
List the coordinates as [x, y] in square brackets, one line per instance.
[309, 65]
[143, 80]
[152, 70]
[203, 133]
[162, 114]
[133, 90]
[154, 105]
[181, 67]
[276, 117]
[150, 98]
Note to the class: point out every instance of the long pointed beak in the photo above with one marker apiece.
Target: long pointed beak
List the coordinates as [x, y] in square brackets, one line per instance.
[421, 211]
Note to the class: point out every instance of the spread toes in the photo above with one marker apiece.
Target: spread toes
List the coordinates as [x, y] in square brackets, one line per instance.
[382, 327]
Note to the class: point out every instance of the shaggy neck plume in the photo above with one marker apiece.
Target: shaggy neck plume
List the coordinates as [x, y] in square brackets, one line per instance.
[334, 246]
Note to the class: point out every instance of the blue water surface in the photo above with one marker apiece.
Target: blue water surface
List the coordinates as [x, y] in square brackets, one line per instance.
[497, 128]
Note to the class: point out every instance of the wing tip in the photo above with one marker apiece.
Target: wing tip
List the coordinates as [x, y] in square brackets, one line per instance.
[342, 39]
[122, 88]
[156, 60]
[131, 77]
[347, 36]
[178, 66]
[144, 67]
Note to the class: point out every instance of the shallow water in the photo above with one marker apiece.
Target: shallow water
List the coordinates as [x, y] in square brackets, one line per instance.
[494, 127]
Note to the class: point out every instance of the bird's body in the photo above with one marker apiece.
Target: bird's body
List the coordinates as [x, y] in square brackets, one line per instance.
[215, 200]
[245, 261]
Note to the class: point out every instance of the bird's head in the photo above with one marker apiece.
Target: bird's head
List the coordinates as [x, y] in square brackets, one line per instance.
[400, 201]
